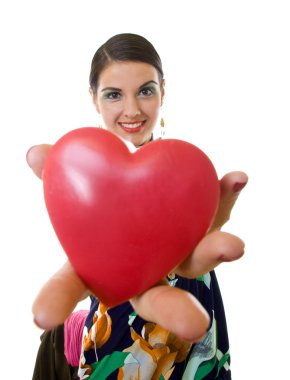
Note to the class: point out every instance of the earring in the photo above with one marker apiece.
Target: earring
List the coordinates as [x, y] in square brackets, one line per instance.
[162, 127]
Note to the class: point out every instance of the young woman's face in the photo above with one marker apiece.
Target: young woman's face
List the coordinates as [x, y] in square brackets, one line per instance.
[129, 97]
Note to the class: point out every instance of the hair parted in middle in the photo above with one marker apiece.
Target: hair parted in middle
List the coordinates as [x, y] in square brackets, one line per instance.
[124, 47]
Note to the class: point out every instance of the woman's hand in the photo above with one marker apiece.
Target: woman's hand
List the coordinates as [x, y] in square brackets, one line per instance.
[219, 246]
[59, 296]
[157, 303]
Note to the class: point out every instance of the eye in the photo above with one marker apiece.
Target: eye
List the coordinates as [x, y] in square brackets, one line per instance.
[147, 91]
[113, 95]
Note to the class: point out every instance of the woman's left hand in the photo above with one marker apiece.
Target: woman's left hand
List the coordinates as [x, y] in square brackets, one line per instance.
[189, 320]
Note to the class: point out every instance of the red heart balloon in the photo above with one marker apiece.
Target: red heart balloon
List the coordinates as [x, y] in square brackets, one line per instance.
[126, 219]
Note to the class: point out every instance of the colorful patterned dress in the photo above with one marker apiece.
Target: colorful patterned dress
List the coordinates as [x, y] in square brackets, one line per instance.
[118, 344]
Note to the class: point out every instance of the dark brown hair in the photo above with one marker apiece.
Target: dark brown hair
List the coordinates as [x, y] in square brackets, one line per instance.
[124, 47]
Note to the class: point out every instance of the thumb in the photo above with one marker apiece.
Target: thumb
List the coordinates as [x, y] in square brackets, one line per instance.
[58, 298]
[36, 157]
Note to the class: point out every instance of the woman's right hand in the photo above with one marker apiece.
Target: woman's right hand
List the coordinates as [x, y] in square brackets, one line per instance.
[61, 293]
[59, 296]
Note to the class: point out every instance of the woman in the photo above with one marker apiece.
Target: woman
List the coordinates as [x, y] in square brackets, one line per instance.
[164, 333]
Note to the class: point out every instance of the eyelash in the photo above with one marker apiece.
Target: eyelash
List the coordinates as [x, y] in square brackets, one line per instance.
[115, 95]
[112, 95]
[150, 89]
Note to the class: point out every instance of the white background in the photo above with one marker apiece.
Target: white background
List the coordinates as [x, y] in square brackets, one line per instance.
[228, 89]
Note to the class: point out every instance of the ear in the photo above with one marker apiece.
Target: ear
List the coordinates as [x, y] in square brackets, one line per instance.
[94, 99]
[162, 91]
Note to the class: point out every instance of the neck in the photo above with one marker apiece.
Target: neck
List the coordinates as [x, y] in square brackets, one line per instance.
[146, 142]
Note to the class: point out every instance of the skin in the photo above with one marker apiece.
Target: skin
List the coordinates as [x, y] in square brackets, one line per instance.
[129, 93]
[131, 102]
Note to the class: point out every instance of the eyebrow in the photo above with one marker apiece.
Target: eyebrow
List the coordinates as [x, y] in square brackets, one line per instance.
[118, 89]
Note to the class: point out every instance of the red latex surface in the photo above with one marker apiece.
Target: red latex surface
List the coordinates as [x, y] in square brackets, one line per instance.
[127, 219]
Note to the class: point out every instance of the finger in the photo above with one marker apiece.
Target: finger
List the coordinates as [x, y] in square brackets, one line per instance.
[175, 310]
[231, 185]
[58, 298]
[215, 248]
[36, 157]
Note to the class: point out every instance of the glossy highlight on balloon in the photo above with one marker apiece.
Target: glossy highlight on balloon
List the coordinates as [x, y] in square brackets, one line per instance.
[124, 219]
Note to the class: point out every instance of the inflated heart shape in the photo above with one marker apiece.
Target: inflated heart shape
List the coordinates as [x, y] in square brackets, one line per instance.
[126, 219]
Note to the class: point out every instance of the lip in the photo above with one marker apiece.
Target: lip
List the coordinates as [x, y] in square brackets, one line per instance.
[132, 126]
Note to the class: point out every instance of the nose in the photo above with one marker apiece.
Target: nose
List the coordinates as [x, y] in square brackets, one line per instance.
[131, 108]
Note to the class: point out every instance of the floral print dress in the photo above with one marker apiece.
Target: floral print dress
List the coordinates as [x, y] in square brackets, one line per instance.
[118, 344]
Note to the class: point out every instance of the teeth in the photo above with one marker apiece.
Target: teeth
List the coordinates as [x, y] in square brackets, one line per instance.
[131, 126]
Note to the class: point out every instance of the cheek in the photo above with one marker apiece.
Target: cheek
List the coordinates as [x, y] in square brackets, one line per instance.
[110, 113]
[153, 109]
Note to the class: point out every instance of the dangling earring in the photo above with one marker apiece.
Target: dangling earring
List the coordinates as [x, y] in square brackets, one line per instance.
[162, 127]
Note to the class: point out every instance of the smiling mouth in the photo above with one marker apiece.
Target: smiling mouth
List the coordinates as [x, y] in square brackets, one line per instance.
[132, 126]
